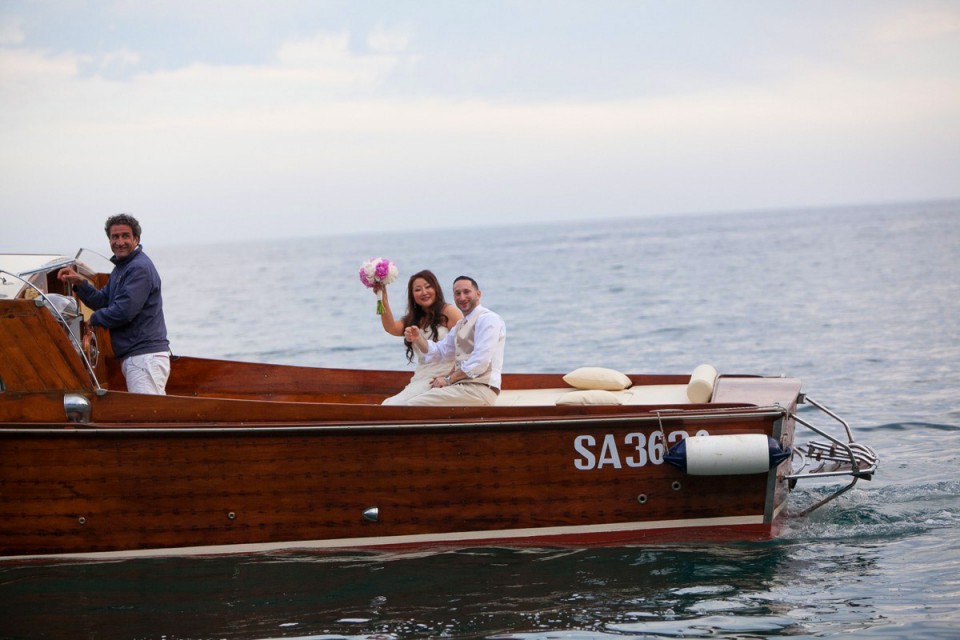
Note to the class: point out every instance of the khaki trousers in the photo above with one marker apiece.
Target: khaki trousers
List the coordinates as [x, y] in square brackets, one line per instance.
[467, 394]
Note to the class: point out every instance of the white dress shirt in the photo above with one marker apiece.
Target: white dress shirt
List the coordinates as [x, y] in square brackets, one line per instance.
[489, 338]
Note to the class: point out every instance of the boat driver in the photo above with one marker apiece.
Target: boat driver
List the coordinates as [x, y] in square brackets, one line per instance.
[131, 307]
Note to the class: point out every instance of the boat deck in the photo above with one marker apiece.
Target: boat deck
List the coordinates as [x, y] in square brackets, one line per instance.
[672, 394]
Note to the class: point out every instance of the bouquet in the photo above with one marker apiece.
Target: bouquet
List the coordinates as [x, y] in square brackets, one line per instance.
[378, 271]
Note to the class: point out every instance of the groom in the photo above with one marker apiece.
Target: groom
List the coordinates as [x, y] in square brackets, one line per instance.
[477, 344]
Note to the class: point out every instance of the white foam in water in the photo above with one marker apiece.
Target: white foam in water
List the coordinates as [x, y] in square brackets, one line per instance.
[559, 635]
[706, 626]
[708, 606]
[704, 590]
[376, 636]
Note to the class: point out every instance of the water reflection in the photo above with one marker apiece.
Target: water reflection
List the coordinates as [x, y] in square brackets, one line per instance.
[467, 593]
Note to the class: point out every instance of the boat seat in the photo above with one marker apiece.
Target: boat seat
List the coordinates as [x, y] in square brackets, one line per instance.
[698, 390]
[645, 395]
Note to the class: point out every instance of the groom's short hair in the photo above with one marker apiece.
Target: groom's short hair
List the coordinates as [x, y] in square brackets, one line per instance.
[472, 281]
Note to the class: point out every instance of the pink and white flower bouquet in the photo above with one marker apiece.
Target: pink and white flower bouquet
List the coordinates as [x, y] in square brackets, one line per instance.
[378, 271]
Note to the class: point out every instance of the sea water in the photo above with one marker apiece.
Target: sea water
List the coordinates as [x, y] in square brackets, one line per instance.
[861, 303]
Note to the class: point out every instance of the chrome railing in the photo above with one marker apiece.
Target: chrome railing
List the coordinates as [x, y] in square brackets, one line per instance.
[834, 458]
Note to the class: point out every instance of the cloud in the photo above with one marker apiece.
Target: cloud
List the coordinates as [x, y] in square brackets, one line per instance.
[307, 78]
[316, 86]
[10, 32]
[327, 58]
[383, 40]
[20, 67]
[309, 113]
[315, 127]
[918, 23]
[119, 60]
[318, 51]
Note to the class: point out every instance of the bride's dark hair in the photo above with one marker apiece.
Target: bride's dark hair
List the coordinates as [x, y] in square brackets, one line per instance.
[420, 317]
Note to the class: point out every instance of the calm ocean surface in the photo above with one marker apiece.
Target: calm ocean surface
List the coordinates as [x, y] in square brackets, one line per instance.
[861, 303]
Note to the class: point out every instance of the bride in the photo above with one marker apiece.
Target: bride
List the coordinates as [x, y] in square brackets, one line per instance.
[427, 310]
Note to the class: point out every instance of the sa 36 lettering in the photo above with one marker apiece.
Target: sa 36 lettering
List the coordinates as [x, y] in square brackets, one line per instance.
[634, 451]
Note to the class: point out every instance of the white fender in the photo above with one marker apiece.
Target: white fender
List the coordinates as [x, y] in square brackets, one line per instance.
[727, 455]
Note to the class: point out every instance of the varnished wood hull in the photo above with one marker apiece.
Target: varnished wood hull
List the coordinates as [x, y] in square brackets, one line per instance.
[109, 489]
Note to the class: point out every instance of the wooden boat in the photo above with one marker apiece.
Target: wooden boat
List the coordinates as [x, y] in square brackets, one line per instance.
[243, 456]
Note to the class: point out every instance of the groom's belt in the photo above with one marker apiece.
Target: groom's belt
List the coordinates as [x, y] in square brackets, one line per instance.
[468, 381]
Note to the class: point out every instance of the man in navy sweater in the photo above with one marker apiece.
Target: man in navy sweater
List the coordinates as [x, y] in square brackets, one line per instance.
[131, 307]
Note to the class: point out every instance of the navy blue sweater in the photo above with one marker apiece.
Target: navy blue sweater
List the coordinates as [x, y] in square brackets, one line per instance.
[130, 306]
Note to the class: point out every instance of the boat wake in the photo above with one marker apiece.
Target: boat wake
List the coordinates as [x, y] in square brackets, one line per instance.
[892, 511]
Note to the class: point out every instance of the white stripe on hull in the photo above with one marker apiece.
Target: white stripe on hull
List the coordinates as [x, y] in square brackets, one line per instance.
[409, 540]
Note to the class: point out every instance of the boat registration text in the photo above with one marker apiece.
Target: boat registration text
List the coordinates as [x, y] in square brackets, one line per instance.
[635, 450]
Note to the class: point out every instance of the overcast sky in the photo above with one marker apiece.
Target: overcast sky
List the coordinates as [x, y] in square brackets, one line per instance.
[221, 120]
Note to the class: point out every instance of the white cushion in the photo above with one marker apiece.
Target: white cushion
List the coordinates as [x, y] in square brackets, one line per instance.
[589, 396]
[700, 387]
[597, 378]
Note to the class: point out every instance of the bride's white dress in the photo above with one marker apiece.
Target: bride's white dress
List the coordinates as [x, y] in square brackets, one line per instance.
[424, 372]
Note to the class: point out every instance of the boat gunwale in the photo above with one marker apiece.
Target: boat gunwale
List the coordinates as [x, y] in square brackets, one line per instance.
[736, 412]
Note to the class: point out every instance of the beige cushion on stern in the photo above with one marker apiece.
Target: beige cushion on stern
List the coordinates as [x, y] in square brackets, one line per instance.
[700, 387]
[590, 378]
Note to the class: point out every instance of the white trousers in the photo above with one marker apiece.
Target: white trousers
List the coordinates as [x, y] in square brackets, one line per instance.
[456, 395]
[147, 373]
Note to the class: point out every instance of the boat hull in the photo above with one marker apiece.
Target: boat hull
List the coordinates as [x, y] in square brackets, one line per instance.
[243, 456]
[567, 481]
